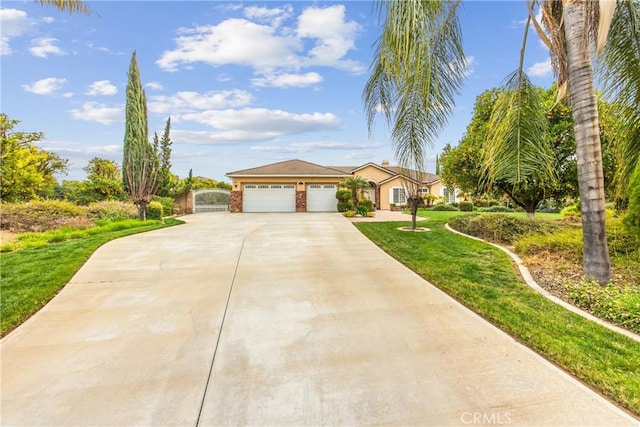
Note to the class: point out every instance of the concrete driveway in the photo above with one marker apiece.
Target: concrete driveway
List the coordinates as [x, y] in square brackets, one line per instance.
[272, 320]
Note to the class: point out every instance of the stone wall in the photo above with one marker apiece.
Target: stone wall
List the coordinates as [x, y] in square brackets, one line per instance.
[301, 201]
[235, 201]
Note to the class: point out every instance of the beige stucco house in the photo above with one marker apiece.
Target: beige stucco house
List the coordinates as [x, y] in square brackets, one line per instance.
[300, 186]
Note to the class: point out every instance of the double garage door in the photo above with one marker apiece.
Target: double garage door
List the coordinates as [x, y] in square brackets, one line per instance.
[282, 198]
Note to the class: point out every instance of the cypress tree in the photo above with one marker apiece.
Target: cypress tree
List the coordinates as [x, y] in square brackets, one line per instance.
[140, 159]
[164, 150]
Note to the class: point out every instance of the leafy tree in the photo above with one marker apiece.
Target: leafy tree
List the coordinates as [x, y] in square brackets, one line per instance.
[355, 184]
[199, 182]
[104, 179]
[463, 165]
[28, 172]
[140, 159]
[460, 165]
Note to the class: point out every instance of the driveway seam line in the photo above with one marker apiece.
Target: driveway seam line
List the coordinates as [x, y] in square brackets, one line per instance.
[224, 316]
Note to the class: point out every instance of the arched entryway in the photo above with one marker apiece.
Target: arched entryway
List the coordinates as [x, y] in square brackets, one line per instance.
[372, 193]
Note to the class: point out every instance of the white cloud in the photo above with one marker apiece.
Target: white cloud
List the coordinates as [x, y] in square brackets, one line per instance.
[261, 120]
[250, 125]
[67, 95]
[154, 86]
[42, 47]
[274, 15]
[45, 86]
[359, 156]
[102, 87]
[232, 42]
[189, 101]
[287, 80]
[306, 147]
[48, 20]
[334, 36]
[541, 69]
[280, 48]
[14, 23]
[96, 112]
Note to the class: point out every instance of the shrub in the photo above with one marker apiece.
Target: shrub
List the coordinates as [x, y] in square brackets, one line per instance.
[466, 206]
[500, 228]
[444, 207]
[429, 199]
[343, 195]
[619, 305]
[167, 204]
[570, 211]
[349, 214]
[497, 208]
[567, 242]
[154, 210]
[42, 215]
[112, 211]
[362, 210]
[367, 203]
[371, 214]
[345, 206]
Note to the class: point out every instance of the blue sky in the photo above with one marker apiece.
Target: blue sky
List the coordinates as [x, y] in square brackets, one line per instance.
[245, 83]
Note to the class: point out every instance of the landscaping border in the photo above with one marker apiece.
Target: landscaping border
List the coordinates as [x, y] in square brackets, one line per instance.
[528, 279]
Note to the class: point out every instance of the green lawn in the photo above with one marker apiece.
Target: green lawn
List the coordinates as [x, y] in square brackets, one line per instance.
[483, 278]
[31, 277]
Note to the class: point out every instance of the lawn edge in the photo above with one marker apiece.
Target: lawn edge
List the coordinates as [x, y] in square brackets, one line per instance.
[528, 279]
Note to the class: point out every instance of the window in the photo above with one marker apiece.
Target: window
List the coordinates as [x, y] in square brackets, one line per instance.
[449, 195]
[398, 196]
[423, 191]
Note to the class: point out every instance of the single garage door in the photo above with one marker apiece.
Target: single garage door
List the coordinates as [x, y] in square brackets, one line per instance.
[269, 198]
[321, 198]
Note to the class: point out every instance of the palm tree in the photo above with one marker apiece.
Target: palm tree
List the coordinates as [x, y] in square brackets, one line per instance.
[421, 37]
[355, 184]
[418, 70]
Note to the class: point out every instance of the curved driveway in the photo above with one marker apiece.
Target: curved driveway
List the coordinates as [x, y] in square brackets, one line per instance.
[272, 320]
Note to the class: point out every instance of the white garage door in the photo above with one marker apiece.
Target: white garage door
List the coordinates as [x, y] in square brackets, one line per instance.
[269, 198]
[321, 198]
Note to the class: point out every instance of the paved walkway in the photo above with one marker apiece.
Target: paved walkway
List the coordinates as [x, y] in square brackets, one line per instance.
[272, 320]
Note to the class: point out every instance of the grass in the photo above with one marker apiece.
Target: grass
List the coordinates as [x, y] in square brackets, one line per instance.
[32, 276]
[483, 278]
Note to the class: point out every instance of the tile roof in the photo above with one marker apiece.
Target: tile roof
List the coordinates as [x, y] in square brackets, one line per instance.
[291, 168]
[302, 168]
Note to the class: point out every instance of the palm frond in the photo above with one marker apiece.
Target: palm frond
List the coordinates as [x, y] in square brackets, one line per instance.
[71, 6]
[619, 71]
[418, 71]
[516, 148]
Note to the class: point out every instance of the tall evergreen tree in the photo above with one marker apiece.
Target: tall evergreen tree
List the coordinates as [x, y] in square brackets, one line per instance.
[164, 150]
[140, 158]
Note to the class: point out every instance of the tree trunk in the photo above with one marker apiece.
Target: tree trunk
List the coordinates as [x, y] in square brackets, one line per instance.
[414, 202]
[142, 210]
[354, 197]
[596, 263]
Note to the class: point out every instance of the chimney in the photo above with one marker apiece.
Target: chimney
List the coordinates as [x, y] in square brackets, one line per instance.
[385, 163]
